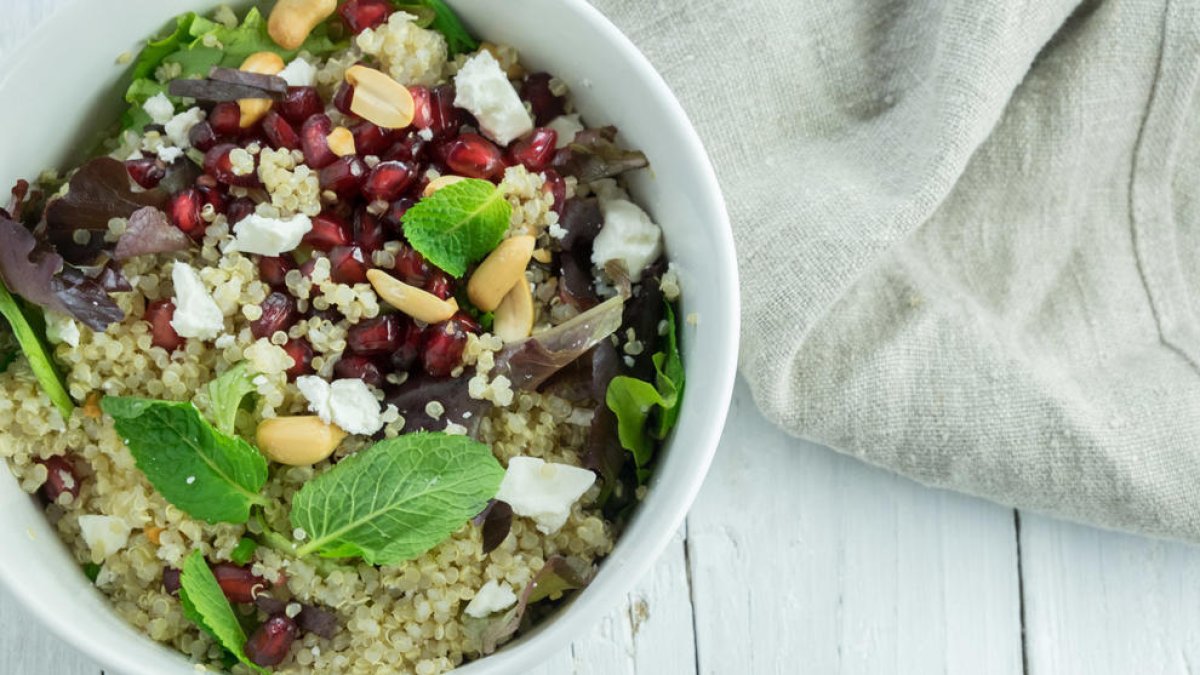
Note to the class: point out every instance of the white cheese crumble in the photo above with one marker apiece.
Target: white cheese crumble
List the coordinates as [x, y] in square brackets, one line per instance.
[491, 598]
[543, 492]
[269, 236]
[104, 535]
[299, 73]
[628, 236]
[485, 91]
[159, 108]
[169, 154]
[347, 403]
[566, 126]
[196, 314]
[181, 125]
[61, 329]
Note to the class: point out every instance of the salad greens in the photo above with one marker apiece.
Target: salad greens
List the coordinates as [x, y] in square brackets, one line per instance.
[556, 577]
[205, 605]
[226, 394]
[36, 353]
[459, 224]
[244, 551]
[446, 22]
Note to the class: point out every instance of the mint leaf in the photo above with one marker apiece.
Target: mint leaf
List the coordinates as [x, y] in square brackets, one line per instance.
[397, 499]
[205, 473]
[36, 353]
[446, 22]
[205, 605]
[226, 394]
[244, 551]
[459, 224]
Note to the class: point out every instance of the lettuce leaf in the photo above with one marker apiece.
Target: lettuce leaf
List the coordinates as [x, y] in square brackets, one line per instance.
[36, 353]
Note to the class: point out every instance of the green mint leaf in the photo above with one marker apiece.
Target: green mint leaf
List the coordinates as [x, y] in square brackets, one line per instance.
[244, 551]
[459, 224]
[446, 22]
[205, 605]
[205, 473]
[226, 394]
[397, 499]
[36, 353]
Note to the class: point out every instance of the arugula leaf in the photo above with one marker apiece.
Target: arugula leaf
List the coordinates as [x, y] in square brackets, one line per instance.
[244, 551]
[458, 40]
[205, 605]
[207, 474]
[226, 394]
[36, 353]
[398, 499]
[647, 412]
[459, 224]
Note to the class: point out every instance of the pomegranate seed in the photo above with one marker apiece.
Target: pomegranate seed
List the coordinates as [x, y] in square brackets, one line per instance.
[185, 213]
[162, 333]
[368, 231]
[348, 265]
[412, 268]
[273, 270]
[444, 344]
[60, 478]
[171, 583]
[546, 106]
[302, 356]
[375, 337]
[226, 118]
[389, 180]
[360, 15]
[344, 177]
[212, 195]
[359, 367]
[301, 103]
[445, 119]
[371, 139]
[146, 172]
[422, 106]
[202, 137]
[279, 132]
[440, 285]
[218, 164]
[412, 148]
[557, 187]
[343, 98]
[278, 314]
[535, 150]
[410, 347]
[306, 270]
[394, 218]
[238, 583]
[328, 231]
[474, 156]
[239, 209]
[272, 642]
[314, 141]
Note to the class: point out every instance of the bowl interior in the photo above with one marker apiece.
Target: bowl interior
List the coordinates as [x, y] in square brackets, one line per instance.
[64, 103]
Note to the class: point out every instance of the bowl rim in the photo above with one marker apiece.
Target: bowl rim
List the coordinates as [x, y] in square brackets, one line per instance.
[586, 607]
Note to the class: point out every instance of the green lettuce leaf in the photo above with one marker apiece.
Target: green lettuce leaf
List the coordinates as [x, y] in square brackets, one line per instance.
[155, 51]
[226, 394]
[396, 500]
[446, 22]
[36, 353]
[207, 474]
[244, 551]
[459, 224]
[205, 605]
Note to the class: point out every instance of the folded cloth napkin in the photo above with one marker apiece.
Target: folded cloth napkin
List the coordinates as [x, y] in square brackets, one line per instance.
[969, 233]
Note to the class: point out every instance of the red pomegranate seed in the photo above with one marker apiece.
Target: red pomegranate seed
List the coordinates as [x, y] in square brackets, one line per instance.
[411, 148]
[328, 231]
[360, 15]
[306, 270]
[212, 195]
[412, 268]
[343, 98]
[344, 177]
[444, 344]
[302, 355]
[238, 583]
[368, 231]
[217, 163]
[440, 285]
[388, 180]
[239, 209]
[278, 314]
[301, 103]
[185, 213]
[279, 132]
[474, 156]
[546, 106]
[273, 270]
[535, 150]
[394, 218]
[358, 367]
[348, 265]
[171, 583]
[371, 139]
[202, 137]
[557, 187]
[445, 119]
[410, 347]
[60, 478]
[272, 642]
[146, 172]
[422, 106]
[375, 337]
[162, 333]
[226, 118]
[314, 141]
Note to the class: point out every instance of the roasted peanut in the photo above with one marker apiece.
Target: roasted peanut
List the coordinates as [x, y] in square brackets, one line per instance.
[514, 316]
[341, 142]
[292, 20]
[379, 99]
[298, 441]
[439, 183]
[254, 109]
[500, 271]
[415, 302]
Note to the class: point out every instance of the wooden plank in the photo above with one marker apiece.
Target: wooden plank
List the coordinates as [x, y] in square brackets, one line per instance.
[1101, 602]
[806, 561]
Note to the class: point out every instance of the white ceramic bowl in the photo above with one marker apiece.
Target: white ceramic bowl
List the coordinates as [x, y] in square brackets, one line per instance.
[62, 85]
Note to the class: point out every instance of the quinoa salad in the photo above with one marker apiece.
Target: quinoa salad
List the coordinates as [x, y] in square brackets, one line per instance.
[346, 352]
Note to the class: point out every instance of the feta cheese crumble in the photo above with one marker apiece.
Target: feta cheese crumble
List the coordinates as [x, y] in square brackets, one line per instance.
[299, 73]
[628, 236]
[168, 154]
[484, 90]
[566, 126]
[543, 492]
[491, 598]
[180, 126]
[269, 236]
[61, 329]
[196, 314]
[104, 535]
[347, 403]
[159, 108]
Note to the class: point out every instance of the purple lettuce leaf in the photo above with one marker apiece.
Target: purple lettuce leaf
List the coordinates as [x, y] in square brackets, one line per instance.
[419, 390]
[532, 361]
[150, 232]
[594, 154]
[496, 521]
[556, 577]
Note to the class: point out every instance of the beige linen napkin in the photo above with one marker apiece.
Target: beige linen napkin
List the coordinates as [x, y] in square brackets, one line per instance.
[969, 234]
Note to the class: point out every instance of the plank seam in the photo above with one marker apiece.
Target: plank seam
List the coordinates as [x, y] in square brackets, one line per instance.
[687, 568]
[1021, 591]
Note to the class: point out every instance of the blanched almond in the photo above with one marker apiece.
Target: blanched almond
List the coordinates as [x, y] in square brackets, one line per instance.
[499, 271]
[254, 109]
[415, 302]
[292, 20]
[379, 99]
[298, 441]
[514, 316]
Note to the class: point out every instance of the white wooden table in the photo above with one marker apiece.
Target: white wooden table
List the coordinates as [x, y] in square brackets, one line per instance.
[796, 559]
